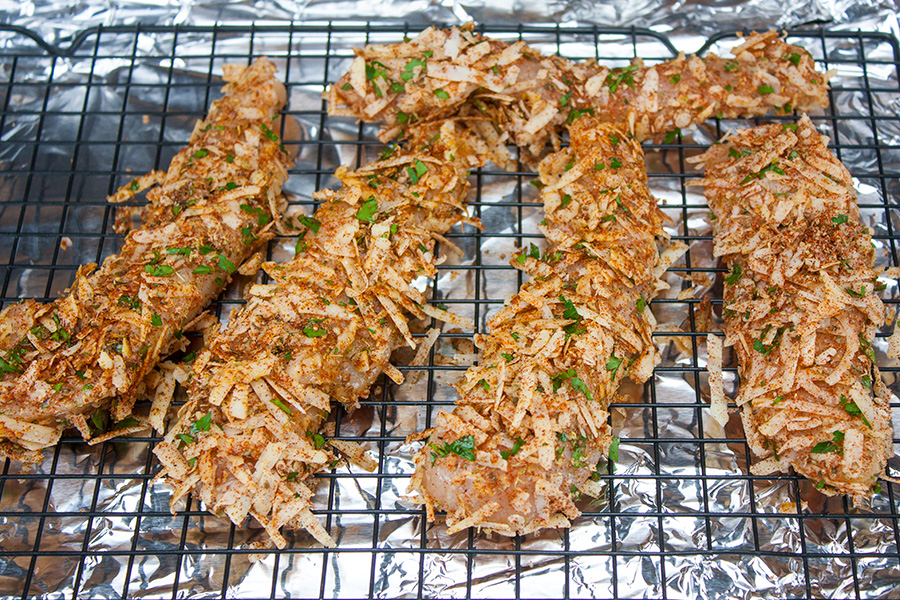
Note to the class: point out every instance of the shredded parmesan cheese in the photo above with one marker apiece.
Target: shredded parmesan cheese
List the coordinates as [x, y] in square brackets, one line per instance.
[800, 306]
[532, 422]
[717, 403]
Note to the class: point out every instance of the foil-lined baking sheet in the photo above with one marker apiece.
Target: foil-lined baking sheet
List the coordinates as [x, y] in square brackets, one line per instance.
[679, 517]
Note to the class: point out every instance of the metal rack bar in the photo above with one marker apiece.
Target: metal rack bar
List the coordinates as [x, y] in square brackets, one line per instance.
[41, 199]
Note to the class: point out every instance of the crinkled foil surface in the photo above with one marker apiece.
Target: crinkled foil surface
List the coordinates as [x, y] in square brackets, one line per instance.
[680, 516]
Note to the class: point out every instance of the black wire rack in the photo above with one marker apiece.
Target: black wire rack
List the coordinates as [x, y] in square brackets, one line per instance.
[681, 516]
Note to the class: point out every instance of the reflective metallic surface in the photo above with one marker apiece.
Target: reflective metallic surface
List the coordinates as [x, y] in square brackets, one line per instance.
[680, 516]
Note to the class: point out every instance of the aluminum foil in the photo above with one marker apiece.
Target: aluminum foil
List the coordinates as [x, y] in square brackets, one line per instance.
[679, 517]
[58, 22]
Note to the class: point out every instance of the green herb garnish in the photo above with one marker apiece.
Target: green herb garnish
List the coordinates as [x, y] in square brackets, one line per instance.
[464, 448]
[735, 275]
[284, 407]
[832, 446]
[506, 454]
[852, 409]
[612, 365]
[311, 223]
[159, 270]
[366, 212]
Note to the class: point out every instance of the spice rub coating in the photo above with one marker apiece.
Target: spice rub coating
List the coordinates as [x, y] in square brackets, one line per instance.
[88, 352]
[531, 424]
[248, 441]
[511, 93]
[800, 306]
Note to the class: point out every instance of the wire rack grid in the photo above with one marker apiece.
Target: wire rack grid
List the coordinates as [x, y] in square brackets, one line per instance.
[681, 516]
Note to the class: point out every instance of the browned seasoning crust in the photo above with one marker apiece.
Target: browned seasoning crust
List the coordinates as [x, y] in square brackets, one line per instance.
[510, 93]
[65, 363]
[800, 306]
[532, 421]
[248, 441]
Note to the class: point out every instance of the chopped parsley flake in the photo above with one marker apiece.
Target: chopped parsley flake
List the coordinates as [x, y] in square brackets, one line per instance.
[612, 365]
[159, 270]
[577, 113]
[284, 407]
[269, 133]
[855, 294]
[202, 424]
[225, 264]
[618, 76]
[506, 454]
[735, 275]
[311, 223]
[570, 312]
[464, 448]
[129, 422]
[409, 70]
[832, 446]
[560, 377]
[672, 136]
[614, 450]
[852, 409]
[367, 211]
[762, 348]
[578, 384]
[311, 331]
[416, 173]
